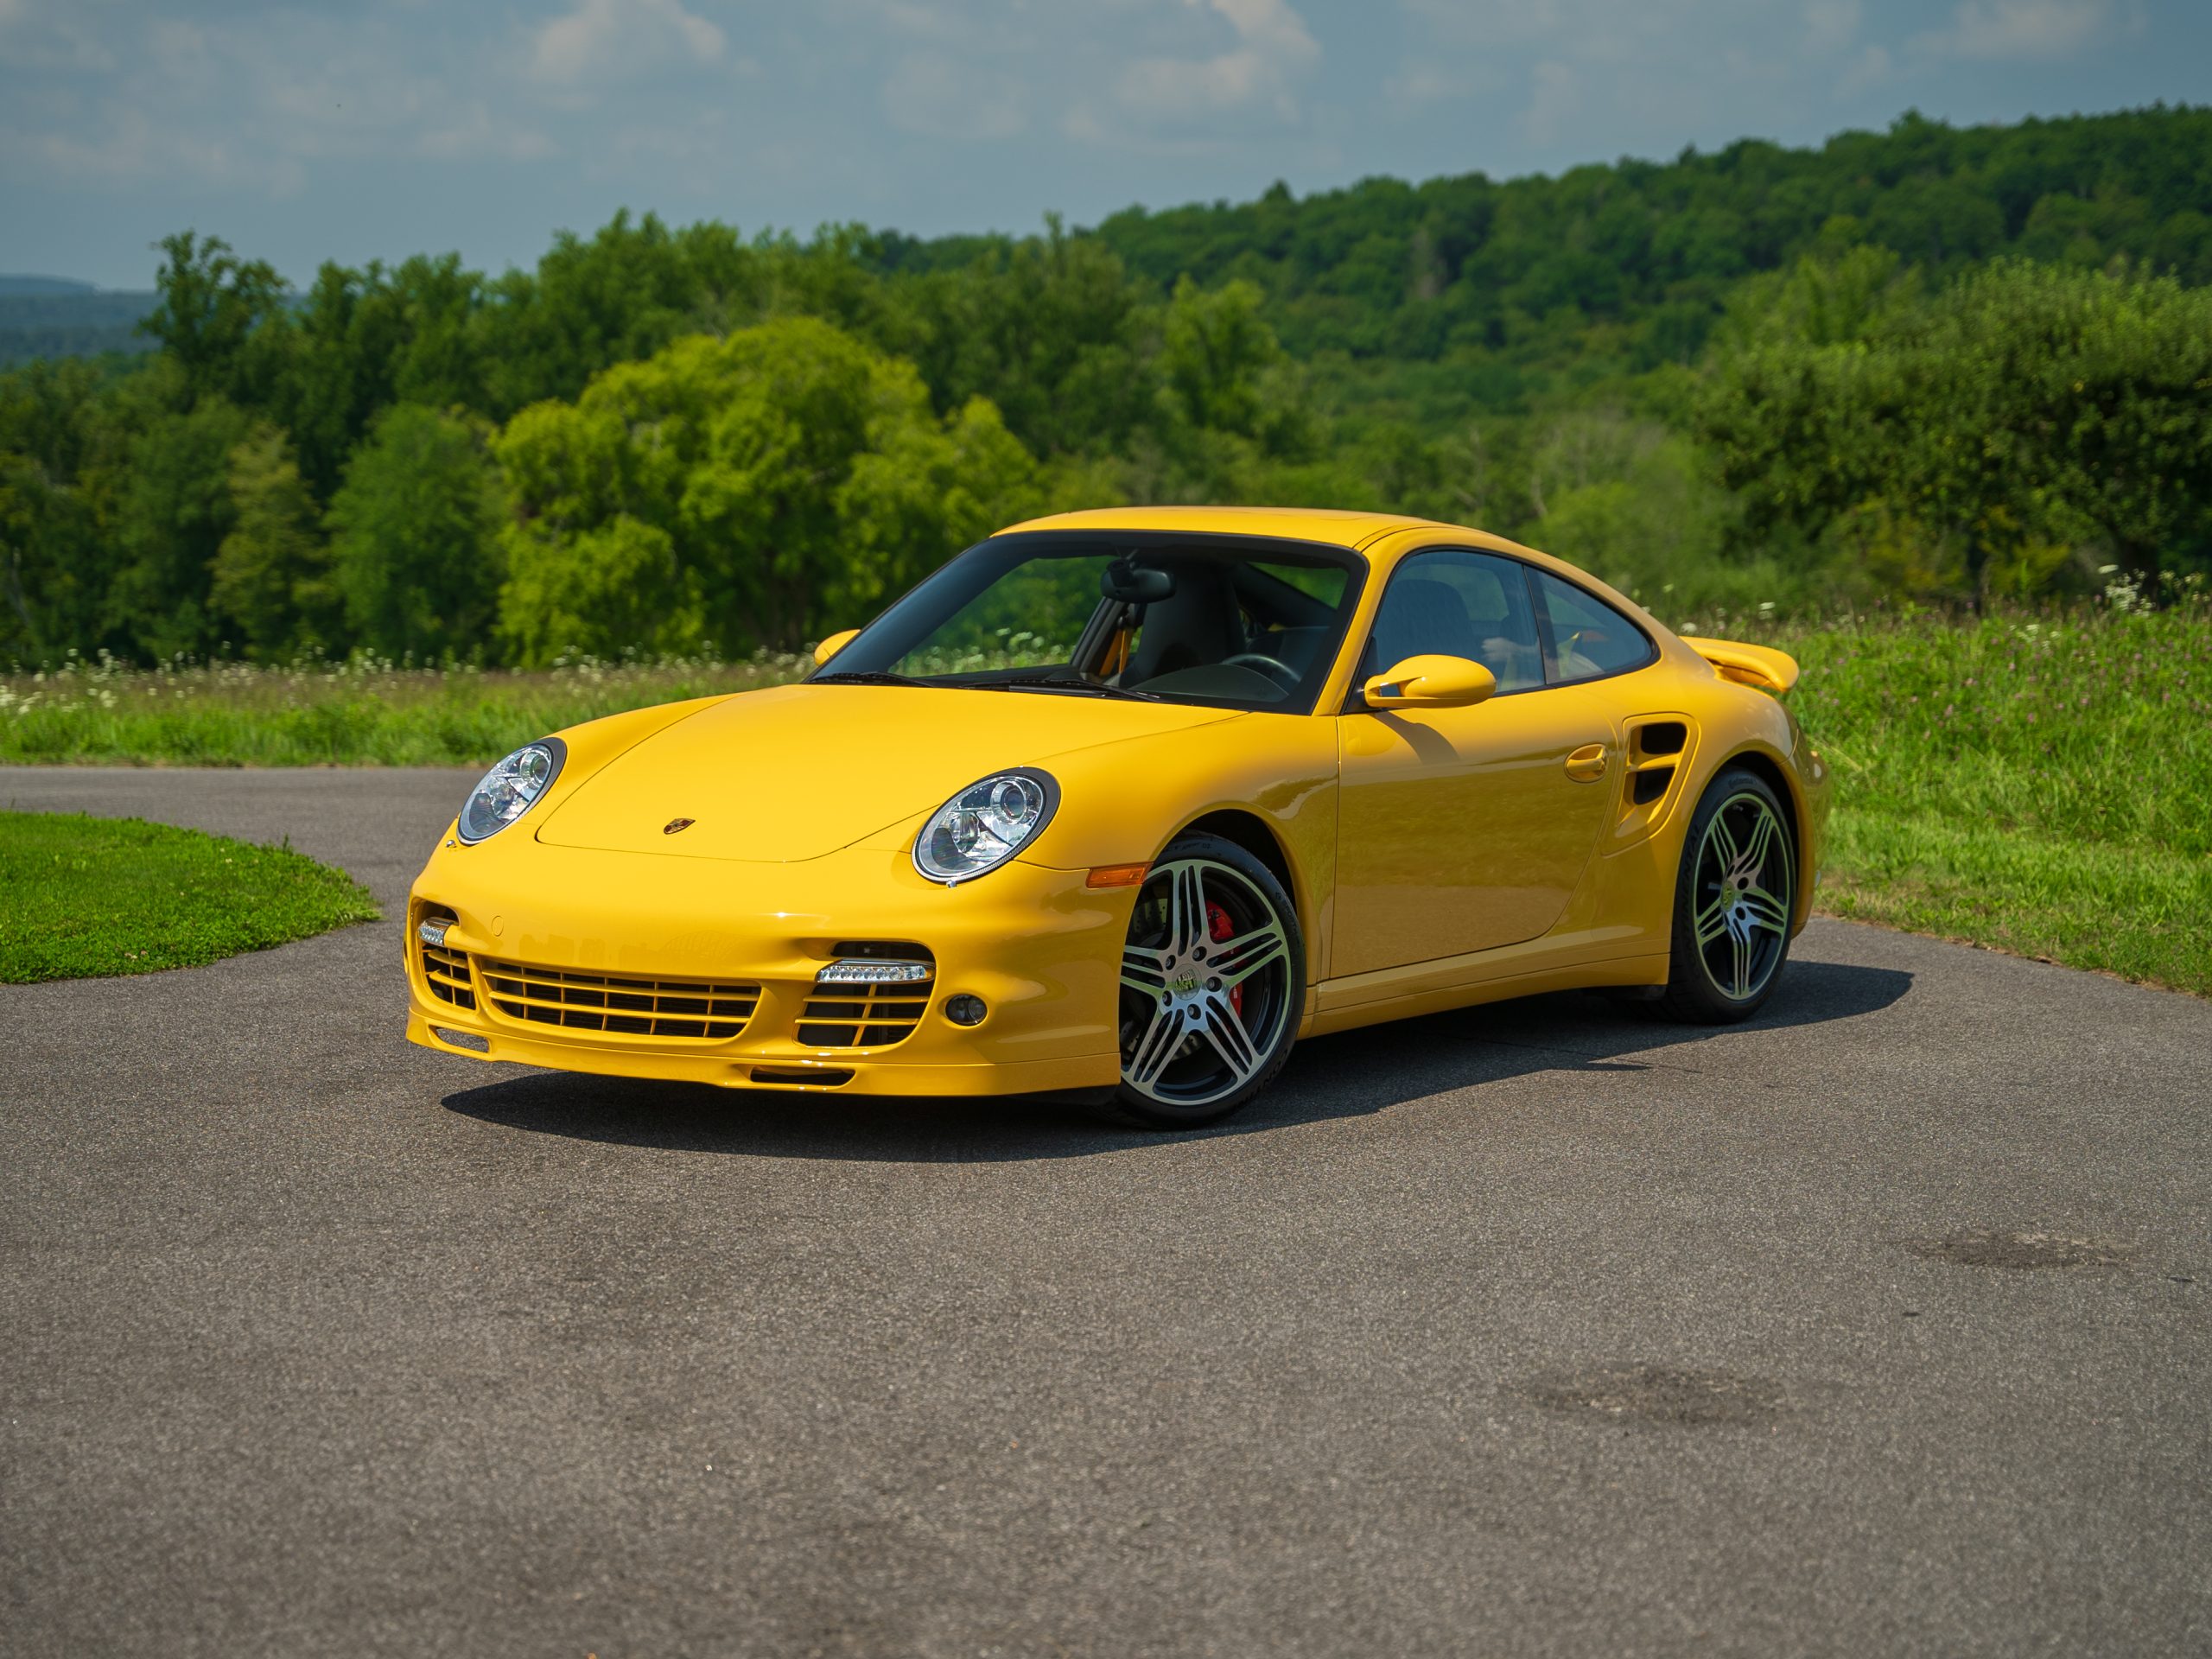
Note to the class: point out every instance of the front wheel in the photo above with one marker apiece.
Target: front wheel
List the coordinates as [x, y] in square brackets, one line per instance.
[1733, 900]
[1214, 977]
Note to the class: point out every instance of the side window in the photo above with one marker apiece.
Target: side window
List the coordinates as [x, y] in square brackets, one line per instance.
[1453, 604]
[1589, 639]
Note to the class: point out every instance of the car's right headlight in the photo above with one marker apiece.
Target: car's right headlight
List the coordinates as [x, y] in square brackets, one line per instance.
[512, 788]
[985, 824]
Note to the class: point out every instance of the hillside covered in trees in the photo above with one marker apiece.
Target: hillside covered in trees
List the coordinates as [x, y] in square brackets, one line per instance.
[1930, 364]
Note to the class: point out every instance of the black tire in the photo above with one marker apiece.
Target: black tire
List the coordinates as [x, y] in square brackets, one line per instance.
[1197, 1045]
[1735, 895]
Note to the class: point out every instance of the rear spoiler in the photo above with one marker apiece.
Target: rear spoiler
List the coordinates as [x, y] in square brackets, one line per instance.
[1754, 666]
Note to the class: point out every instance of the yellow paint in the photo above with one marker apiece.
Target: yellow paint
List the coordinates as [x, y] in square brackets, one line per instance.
[1762, 666]
[1439, 853]
[1430, 683]
[834, 643]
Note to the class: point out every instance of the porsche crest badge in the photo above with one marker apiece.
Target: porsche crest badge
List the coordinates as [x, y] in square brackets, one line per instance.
[675, 825]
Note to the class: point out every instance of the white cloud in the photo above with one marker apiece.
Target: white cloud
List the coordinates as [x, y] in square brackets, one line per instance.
[620, 36]
[474, 134]
[1870, 67]
[935, 95]
[1555, 102]
[1274, 51]
[1417, 82]
[59, 40]
[128, 149]
[1997, 30]
[1831, 25]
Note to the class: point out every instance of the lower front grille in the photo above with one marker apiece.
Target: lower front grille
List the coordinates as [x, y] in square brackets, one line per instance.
[862, 1016]
[446, 971]
[698, 1010]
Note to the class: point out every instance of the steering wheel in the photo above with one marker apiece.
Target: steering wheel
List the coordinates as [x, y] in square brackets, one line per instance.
[1281, 672]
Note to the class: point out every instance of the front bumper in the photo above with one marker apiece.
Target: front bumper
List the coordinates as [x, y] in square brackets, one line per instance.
[1039, 948]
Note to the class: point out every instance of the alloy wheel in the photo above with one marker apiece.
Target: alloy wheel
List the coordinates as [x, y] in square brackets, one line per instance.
[1206, 983]
[1741, 925]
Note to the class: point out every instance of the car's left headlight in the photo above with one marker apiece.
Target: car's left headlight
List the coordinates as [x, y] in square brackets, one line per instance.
[512, 788]
[985, 824]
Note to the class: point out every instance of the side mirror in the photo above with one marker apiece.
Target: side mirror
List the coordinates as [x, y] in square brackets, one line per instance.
[832, 646]
[1430, 683]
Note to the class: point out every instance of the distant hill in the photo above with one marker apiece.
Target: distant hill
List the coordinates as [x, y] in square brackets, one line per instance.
[56, 316]
[18, 286]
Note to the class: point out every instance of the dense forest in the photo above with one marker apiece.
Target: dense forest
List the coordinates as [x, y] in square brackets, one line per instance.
[1928, 365]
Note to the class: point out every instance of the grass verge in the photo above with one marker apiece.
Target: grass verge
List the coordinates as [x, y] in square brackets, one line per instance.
[88, 898]
[353, 714]
[2039, 784]
[2135, 911]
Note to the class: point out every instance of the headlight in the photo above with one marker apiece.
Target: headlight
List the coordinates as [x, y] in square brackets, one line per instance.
[512, 788]
[985, 824]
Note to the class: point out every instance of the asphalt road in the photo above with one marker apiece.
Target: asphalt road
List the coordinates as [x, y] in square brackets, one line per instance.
[1879, 1326]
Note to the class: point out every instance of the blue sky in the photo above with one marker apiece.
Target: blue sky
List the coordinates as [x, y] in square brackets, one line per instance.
[381, 127]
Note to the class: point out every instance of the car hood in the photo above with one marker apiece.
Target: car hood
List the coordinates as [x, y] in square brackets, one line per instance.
[799, 771]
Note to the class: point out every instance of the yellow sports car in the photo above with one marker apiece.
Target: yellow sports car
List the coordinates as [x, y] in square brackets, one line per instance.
[1117, 806]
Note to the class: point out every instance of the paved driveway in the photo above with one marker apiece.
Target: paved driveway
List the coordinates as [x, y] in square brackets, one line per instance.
[1877, 1326]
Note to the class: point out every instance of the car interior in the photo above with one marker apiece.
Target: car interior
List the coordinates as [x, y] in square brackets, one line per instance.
[1206, 627]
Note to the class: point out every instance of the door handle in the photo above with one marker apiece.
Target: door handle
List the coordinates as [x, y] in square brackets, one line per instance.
[1587, 763]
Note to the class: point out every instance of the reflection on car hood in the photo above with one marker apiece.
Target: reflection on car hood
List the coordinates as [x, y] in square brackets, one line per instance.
[800, 770]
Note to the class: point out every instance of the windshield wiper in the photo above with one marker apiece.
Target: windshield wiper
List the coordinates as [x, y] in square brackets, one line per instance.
[1059, 679]
[864, 676]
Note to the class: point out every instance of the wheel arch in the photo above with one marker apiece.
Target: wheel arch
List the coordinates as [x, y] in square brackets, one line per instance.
[1252, 831]
[1256, 836]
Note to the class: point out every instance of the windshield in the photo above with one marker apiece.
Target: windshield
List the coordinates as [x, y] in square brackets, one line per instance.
[1227, 621]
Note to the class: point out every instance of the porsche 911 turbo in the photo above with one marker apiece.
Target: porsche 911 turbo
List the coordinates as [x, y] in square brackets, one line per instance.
[1115, 806]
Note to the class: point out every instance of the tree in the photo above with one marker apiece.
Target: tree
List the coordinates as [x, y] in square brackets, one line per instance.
[213, 315]
[2023, 406]
[1047, 329]
[415, 536]
[61, 445]
[272, 572]
[175, 509]
[923, 492]
[739, 491]
[1215, 353]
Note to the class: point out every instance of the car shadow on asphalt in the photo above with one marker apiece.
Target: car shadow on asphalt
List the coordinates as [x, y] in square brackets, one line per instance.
[1352, 1075]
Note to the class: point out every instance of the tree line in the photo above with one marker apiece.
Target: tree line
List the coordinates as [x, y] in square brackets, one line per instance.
[1933, 363]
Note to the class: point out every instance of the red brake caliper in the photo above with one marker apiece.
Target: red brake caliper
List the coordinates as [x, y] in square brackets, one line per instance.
[1218, 929]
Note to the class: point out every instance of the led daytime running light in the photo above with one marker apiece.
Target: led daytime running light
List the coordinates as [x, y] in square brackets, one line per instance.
[860, 971]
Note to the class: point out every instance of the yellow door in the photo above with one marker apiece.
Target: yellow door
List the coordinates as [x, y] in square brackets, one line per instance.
[1461, 829]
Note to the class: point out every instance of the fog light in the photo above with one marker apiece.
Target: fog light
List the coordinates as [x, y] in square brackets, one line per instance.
[965, 1010]
[434, 930]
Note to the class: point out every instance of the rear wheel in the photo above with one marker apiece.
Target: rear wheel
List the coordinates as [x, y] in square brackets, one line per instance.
[1213, 976]
[1734, 899]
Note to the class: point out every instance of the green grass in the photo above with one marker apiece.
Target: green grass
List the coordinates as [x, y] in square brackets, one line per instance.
[2039, 782]
[2042, 784]
[334, 714]
[88, 898]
